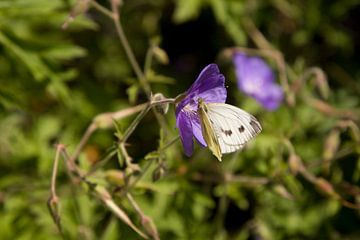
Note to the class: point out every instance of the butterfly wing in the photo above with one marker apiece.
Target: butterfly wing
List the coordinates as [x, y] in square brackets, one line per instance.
[233, 126]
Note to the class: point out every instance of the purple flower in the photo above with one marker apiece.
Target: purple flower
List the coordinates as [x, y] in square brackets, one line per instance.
[210, 87]
[256, 79]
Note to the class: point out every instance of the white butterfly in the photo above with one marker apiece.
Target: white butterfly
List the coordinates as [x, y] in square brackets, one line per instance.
[226, 128]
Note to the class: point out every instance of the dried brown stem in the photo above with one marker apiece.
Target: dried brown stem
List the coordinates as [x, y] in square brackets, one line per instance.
[320, 81]
[101, 9]
[104, 120]
[89, 131]
[146, 221]
[53, 201]
[263, 44]
[100, 192]
[106, 198]
[329, 110]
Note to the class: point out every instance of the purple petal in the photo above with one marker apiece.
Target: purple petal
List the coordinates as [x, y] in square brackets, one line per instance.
[252, 73]
[210, 86]
[209, 78]
[256, 79]
[183, 123]
[272, 97]
[196, 127]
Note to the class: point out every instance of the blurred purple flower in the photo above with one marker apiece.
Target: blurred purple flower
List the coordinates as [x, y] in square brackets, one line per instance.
[256, 79]
[210, 87]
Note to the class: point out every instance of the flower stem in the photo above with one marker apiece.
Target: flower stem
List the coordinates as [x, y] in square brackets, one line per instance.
[101, 9]
[53, 201]
[134, 64]
[134, 123]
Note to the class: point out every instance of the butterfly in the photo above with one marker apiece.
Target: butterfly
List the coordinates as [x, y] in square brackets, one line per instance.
[226, 128]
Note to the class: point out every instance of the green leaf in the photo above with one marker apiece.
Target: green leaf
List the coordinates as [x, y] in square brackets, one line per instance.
[186, 10]
[133, 92]
[65, 52]
[152, 155]
[34, 63]
[231, 24]
[156, 78]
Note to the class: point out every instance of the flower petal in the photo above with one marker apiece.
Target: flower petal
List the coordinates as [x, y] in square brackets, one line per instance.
[210, 86]
[209, 78]
[272, 98]
[196, 127]
[252, 73]
[183, 123]
[256, 79]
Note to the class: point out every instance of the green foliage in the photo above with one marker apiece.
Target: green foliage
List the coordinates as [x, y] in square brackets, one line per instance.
[297, 180]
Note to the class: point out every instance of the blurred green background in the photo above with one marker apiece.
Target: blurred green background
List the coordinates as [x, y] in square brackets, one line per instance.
[298, 180]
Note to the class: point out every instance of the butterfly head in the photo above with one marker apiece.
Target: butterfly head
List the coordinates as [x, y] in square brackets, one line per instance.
[201, 104]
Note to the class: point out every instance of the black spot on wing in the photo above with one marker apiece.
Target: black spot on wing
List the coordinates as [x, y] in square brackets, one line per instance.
[227, 132]
[255, 125]
[241, 129]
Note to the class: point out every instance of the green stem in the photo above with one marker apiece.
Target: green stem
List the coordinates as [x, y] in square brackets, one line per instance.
[134, 123]
[135, 65]
[101, 9]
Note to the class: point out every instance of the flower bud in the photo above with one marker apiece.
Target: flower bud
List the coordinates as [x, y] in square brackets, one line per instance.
[326, 187]
[115, 177]
[295, 163]
[158, 173]
[160, 55]
[163, 107]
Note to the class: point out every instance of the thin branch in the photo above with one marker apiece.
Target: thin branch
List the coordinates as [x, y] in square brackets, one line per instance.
[89, 131]
[135, 65]
[146, 221]
[104, 120]
[133, 126]
[128, 159]
[230, 178]
[133, 62]
[102, 162]
[134, 123]
[262, 43]
[101, 9]
[255, 34]
[142, 173]
[59, 148]
[106, 198]
[330, 110]
[324, 185]
[148, 60]
[53, 201]
[321, 81]
[140, 116]
[100, 192]
[168, 144]
[247, 180]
